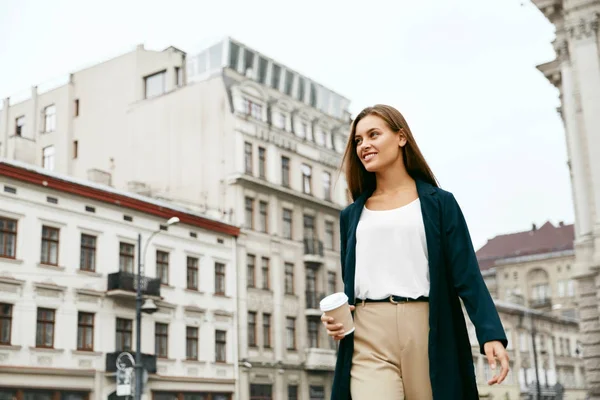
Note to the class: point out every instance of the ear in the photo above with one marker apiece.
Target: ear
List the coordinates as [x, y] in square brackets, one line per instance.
[401, 138]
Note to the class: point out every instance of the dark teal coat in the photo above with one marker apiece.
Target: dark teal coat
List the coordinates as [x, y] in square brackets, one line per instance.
[454, 272]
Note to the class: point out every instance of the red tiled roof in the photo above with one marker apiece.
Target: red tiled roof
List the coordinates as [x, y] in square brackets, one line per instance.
[548, 238]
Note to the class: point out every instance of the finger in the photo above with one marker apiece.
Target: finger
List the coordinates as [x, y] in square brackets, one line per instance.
[334, 327]
[489, 353]
[336, 332]
[352, 308]
[339, 337]
[505, 367]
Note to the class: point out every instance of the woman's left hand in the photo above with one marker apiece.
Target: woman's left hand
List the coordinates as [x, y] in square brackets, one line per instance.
[495, 350]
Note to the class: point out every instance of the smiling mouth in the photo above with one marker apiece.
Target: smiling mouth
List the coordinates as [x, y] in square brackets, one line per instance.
[369, 156]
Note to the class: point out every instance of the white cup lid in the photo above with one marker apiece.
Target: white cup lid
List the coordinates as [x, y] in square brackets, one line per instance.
[333, 301]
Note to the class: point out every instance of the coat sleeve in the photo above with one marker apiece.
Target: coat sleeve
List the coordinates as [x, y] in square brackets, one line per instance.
[466, 276]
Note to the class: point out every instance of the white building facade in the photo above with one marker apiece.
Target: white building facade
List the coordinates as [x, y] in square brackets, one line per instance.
[231, 134]
[68, 258]
[576, 73]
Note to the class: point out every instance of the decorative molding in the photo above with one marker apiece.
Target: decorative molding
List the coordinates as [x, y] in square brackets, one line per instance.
[584, 28]
[49, 286]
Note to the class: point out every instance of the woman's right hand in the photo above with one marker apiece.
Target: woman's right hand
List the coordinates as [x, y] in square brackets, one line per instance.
[334, 329]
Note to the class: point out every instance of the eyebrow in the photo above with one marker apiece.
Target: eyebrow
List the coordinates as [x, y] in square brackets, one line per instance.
[369, 131]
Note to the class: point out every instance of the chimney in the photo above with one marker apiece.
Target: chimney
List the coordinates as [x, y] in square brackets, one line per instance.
[533, 227]
[561, 223]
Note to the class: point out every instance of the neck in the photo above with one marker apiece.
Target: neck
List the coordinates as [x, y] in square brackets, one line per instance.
[394, 179]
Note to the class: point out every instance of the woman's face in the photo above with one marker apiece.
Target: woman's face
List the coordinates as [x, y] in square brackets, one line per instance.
[377, 146]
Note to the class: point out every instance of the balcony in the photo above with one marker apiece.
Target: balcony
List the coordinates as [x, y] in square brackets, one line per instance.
[148, 362]
[320, 359]
[124, 285]
[313, 250]
[312, 303]
[544, 303]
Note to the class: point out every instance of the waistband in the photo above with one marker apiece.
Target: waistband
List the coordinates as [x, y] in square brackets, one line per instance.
[393, 300]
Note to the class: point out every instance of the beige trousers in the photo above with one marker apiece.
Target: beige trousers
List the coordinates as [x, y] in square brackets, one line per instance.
[390, 359]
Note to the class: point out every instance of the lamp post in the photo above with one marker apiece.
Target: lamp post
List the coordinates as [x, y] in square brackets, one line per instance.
[139, 369]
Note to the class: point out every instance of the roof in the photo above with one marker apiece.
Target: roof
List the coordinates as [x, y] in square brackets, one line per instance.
[546, 239]
[51, 180]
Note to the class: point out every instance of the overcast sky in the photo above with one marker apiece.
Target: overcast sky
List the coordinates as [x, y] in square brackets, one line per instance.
[463, 73]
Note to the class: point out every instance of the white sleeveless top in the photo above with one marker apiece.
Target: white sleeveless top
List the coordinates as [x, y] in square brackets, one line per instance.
[391, 253]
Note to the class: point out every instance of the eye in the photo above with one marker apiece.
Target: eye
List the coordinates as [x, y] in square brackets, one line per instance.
[374, 134]
[357, 141]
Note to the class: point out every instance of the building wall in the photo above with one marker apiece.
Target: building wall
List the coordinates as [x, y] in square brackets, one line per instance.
[27, 284]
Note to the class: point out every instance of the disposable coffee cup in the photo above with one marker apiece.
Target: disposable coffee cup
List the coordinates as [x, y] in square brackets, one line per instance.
[336, 306]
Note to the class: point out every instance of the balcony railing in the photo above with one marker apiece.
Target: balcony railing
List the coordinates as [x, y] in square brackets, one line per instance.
[313, 299]
[313, 247]
[128, 282]
[541, 303]
[148, 362]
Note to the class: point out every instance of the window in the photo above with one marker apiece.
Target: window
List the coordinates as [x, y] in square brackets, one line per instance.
[248, 157]
[309, 227]
[288, 84]
[162, 266]
[265, 273]
[262, 162]
[48, 158]
[161, 340]
[234, 51]
[178, 77]
[561, 288]
[191, 343]
[262, 70]
[248, 60]
[124, 334]
[316, 393]
[126, 257]
[50, 118]
[290, 330]
[49, 246]
[220, 346]
[251, 270]
[320, 136]
[253, 109]
[292, 392]
[87, 258]
[523, 341]
[289, 278]
[219, 278]
[45, 328]
[8, 238]
[75, 149]
[252, 329]
[20, 126]
[301, 88]
[313, 333]
[285, 171]
[329, 235]
[571, 288]
[306, 179]
[249, 213]
[5, 323]
[263, 216]
[275, 76]
[279, 119]
[76, 110]
[327, 186]
[192, 273]
[287, 223]
[267, 330]
[541, 292]
[154, 85]
[261, 392]
[313, 95]
[85, 331]
[331, 282]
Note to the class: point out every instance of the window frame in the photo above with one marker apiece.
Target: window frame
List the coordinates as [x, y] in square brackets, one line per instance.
[262, 162]
[287, 222]
[327, 185]
[251, 266]
[192, 265]
[45, 324]
[83, 327]
[19, 125]
[249, 212]
[266, 326]
[329, 235]
[248, 158]
[162, 73]
[289, 275]
[285, 171]
[220, 277]
[252, 329]
[307, 172]
[263, 216]
[49, 241]
[192, 337]
[265, 270]
[86, 249]
[49, 118]
[161, 338]
[4, 317]
[220, 345]
[162, 266]
[122, 332]
[125, 256]
[5, 232]
[290, 330]
[48, 159]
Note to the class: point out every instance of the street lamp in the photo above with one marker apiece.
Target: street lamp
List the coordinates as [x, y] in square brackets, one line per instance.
[148, 307]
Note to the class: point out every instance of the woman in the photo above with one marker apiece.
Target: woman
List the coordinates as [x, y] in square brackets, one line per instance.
[407, 258]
